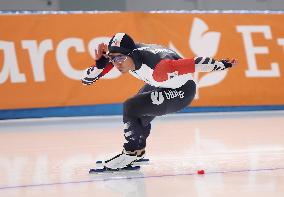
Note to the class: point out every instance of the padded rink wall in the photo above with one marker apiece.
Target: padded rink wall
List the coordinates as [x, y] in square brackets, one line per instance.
[43, 55]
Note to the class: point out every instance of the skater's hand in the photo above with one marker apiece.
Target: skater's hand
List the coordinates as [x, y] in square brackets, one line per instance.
[90, 75]
[228, 63]
[101, 67]
[100, 51]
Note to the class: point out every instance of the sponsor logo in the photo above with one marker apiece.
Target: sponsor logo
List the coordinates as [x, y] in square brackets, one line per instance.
[170, 94]
[158, 97]
[115, 42]
[117, 39]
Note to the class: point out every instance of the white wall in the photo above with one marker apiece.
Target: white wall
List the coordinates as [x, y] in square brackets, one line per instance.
[205, 4]
[242, 4]
[29, 5]
[161, 4]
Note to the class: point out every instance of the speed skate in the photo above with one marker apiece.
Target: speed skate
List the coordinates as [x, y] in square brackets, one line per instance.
[133, 167]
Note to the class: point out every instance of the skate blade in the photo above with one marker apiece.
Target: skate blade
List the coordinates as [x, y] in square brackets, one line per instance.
[139, 162]
[108, 170]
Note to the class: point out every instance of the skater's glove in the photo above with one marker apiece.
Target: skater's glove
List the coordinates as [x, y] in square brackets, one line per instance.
[228, 63]
[93, 73]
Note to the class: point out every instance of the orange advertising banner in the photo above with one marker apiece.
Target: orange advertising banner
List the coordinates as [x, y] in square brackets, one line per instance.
[43, 56]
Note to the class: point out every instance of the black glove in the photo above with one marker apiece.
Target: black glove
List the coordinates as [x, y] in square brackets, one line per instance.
[228, 63]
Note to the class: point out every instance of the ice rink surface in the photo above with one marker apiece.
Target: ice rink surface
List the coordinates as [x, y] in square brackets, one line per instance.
[242, 155]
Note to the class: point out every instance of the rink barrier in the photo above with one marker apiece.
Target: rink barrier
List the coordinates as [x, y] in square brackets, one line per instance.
[116, 109]
[51, 88]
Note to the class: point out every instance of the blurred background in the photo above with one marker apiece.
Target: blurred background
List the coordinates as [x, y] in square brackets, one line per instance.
[138, 5]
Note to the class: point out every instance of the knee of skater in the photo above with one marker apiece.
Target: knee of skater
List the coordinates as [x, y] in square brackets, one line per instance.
[189, 98]
[129, 107]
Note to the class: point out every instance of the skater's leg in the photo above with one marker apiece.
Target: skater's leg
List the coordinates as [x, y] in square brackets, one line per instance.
[150, 104]
[141, 123]
[144, 107]
[146, 120]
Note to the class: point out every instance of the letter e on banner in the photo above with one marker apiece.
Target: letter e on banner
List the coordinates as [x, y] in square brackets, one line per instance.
[251, 51]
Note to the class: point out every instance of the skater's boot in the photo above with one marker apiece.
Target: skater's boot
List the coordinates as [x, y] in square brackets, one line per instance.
[124, 159]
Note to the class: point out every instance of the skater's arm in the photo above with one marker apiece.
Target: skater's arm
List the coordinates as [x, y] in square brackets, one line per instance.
[102, 66]
[207, 64]
[167, 67]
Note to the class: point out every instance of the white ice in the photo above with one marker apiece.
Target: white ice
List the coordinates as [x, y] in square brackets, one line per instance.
[242, 155]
